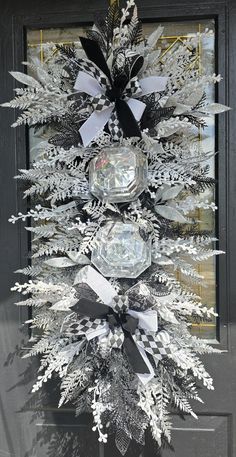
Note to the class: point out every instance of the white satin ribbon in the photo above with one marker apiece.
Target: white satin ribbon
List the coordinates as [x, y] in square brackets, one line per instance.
[147, 319]
[98, 119]
[88, 84]
[94, 125]
[106, 292]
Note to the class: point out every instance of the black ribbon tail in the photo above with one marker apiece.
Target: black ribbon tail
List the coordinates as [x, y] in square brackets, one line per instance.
[136, 67]
[95, 54]
[127, 120]
[131, 324]
[134, 356]
[90, 308]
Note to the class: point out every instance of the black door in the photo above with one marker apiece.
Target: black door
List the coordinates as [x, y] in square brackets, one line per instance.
[32, 425]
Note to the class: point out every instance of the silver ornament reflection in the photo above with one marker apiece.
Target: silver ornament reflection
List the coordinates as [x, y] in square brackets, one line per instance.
[118, 174]
[120, 251]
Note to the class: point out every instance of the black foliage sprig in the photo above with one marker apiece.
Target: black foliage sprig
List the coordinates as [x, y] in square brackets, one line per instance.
[106, 26]
[135, 31]
[97, 37]
[202, 184]
[66, 51]
[197, 121]
[71, 62]
[68, 128]
[154, 113]
[201, 102]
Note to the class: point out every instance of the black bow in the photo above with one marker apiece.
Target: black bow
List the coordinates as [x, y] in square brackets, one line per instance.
[96, 310]
[125, 116]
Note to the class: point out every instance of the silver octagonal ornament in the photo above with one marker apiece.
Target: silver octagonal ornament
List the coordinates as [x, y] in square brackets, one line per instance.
[118, 174]
[120, 251]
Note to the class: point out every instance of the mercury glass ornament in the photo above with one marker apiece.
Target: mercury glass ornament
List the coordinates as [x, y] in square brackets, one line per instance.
[120, 251]
[118, 174]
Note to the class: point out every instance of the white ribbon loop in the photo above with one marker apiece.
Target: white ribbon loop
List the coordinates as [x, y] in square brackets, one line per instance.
[147, 319]
[104, 290]
[99, 332]
[136, 107]
[87, 84]
[94, 125]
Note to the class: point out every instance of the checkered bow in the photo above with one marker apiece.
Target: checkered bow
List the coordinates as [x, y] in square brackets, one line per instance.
[110, 316]
[112, 105]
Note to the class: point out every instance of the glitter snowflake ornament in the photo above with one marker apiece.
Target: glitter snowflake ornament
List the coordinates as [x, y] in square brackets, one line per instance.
[118, 174]
[120, 251]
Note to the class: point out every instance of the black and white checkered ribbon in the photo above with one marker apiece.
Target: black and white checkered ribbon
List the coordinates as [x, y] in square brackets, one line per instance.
[90, 68]
[114, 127]
[110, 317]
[116, 338]
[120, 303]
[101, 102]
[156, 344]
[89, 327]
[84, 325]
[133, 88]
[92, 81]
